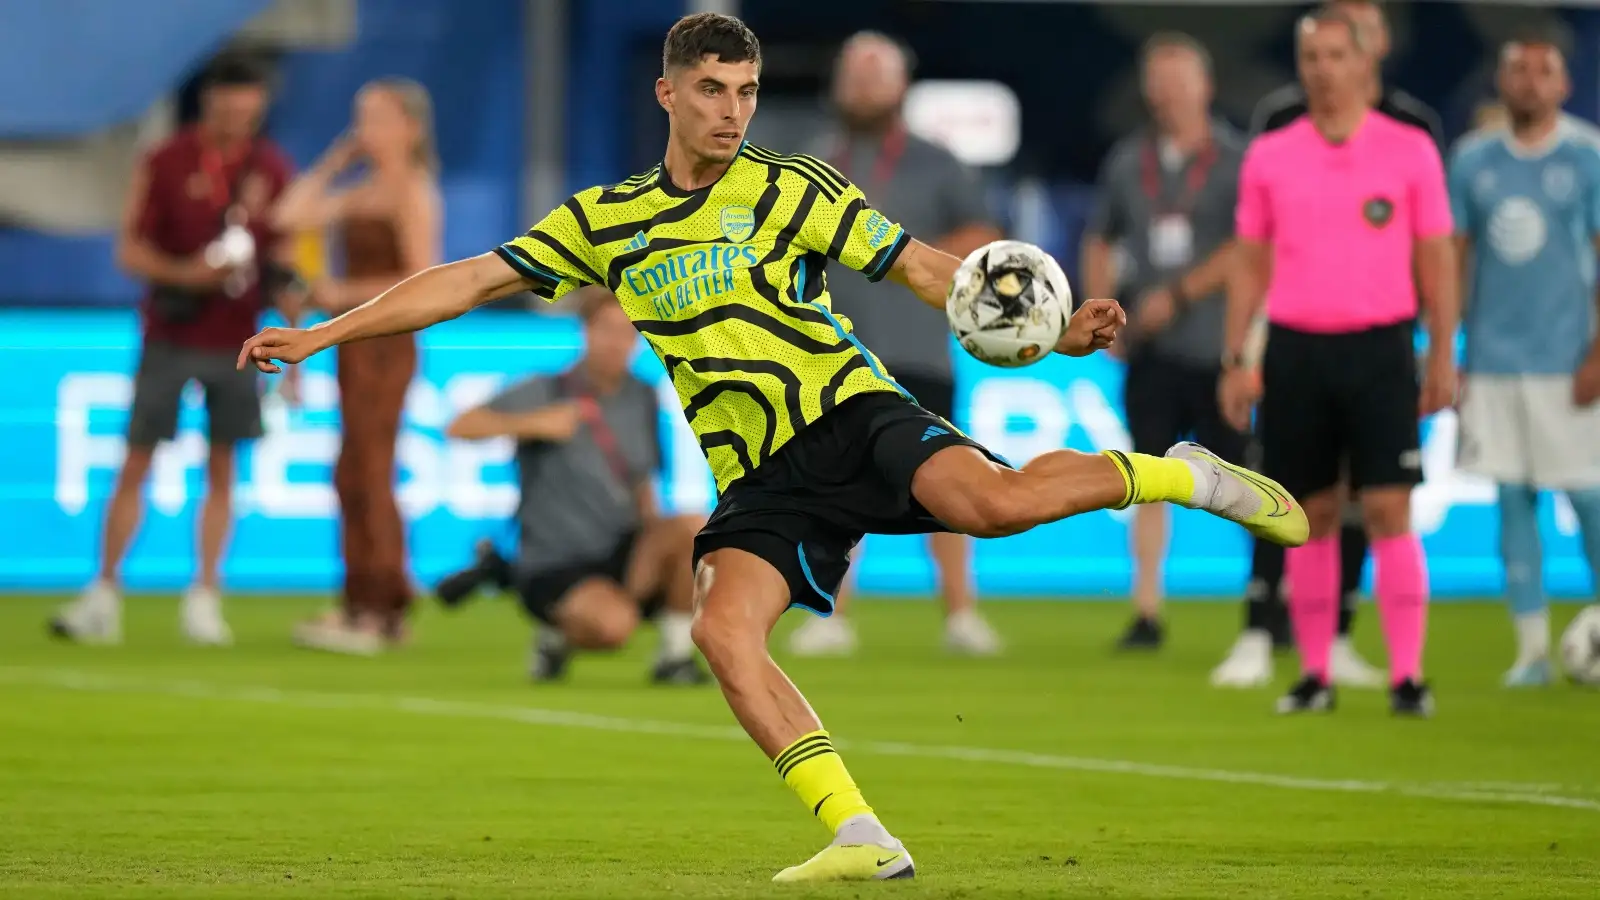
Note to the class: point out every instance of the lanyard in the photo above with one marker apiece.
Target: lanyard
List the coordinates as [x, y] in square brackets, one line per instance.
[220, 188]
[1194, 179]
[573, 385]
[890, 150]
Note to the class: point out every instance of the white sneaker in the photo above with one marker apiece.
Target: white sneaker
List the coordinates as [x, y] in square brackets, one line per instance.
[1249, 663]
[330, 633]
[201, 615]
[832, 636]
[1346, 668]
[94, 618]
[969, 634]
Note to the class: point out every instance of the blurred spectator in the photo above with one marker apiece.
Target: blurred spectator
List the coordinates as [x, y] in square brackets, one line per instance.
[196, 230]
[387, 222]
[1343, 221]
[924, 187]
[1249, 662]
[1166, 198]
[595, 554]
[1527, 206]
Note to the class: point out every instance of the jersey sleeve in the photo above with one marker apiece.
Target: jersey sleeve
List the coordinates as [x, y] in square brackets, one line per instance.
[1458, 176]
[554, 255]
[1429, 197]
[1252, 218]
[842, 226]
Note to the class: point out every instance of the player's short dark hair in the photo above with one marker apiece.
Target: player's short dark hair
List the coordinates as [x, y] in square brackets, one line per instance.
[1539, 36]
[235, 70]
[694, 37]
[1329, 14]
[1175, 40]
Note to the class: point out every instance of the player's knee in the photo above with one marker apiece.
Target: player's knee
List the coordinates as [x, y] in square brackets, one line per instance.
[613, 629]
[1324, 512]
[1386, 512]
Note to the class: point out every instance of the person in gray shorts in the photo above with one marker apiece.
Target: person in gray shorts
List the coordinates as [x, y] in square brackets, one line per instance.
[594, 555]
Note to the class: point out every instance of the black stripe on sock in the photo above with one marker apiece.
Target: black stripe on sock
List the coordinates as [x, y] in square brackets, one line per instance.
[1126, 466]
[820, 751]
[800, 746]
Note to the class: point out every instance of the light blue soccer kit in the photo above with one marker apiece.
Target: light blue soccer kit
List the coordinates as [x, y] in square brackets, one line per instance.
[1532, 217]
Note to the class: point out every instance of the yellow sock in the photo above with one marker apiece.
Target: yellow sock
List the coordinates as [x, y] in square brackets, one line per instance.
[814, 771]
[1152, 479]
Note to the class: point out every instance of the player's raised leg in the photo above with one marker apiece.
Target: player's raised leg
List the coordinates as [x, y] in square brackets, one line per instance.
[738, 598]
[977, 496]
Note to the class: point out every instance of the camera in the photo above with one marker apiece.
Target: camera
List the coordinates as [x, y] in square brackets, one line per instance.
[488, 568]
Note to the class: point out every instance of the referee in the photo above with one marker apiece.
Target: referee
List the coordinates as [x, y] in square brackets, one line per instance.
[1250, 663]
[1344, 225]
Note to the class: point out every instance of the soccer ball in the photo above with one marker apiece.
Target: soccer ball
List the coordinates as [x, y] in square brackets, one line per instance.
[1580, 647]
[1009, 304]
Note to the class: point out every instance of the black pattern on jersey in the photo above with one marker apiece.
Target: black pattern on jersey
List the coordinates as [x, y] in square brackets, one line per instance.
[629, 189]
[822, 176]
[830, 392]
[710, 394]
[781, 330]
[728, 439]
[534, 269]
[599, 237]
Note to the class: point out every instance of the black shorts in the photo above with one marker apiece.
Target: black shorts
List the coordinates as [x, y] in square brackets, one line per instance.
[933, 393]
[1167, 402]
[1337, 403]
[846, 475]
[233, 398]
[542, 592]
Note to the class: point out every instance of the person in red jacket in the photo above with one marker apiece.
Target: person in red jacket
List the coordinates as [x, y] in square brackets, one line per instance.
[196, 232]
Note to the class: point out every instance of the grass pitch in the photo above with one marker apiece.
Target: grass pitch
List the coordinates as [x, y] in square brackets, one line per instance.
[160, 770]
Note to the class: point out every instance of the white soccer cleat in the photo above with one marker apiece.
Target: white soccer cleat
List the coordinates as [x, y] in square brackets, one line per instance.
[1248, 664]
[94, 618]
[330, 633]
[201, 615]
[969, 634]
[832, 636]
[1346, 668]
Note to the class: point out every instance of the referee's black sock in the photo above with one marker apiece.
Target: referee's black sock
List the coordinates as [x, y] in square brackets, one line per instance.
[1264, 609]
[1352, 559]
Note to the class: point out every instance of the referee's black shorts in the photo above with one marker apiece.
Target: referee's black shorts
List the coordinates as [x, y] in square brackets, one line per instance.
[1336, 400]
[1167, 401]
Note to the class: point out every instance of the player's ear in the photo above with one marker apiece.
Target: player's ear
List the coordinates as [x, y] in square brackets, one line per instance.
[664, 93]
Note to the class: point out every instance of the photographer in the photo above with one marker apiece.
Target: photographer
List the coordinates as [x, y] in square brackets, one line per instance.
[196, 232]
[593, 556]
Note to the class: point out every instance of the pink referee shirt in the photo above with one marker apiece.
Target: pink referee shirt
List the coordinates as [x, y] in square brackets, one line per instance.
[1342, 220]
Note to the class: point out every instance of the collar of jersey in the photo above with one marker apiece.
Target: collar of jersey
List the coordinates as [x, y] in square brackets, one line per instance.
[665, 185]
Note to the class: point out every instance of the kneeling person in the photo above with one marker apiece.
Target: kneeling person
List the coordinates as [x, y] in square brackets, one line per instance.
[593, 553]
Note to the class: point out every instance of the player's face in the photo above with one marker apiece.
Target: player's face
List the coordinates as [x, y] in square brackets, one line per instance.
[710, 106]
[382, 128]
[610, 339]
[1332, 68]
[1176, 85]
[869, 82]
[1533, 81]
[234, 111]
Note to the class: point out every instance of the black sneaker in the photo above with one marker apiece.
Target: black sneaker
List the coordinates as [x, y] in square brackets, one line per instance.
[1309, 695]
[488, 569]
[1143, 634]
[1410, 698]
[679, 671]
[550, 658]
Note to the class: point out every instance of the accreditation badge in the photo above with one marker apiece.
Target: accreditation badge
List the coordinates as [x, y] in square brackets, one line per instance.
[1171, 242]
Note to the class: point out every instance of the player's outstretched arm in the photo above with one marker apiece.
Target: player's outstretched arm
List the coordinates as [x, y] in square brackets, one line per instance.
[426, 298]
[927, 271]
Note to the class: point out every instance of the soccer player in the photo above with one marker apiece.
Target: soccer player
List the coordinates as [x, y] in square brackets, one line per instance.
[1336, 211]
[718, 254]
[1527, 207]
[1249, 663]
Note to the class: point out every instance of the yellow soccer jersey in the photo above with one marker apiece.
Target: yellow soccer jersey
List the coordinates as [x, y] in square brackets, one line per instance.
[727, 285]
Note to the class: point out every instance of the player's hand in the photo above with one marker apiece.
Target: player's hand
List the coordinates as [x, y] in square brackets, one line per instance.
[1155, 310]
[1093, 327]
[1586, 382]
[287, 345]
[1238, 391]
[1438, 384]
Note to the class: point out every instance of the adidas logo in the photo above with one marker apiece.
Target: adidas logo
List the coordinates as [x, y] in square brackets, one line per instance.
[933, 432]
[638, 242]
